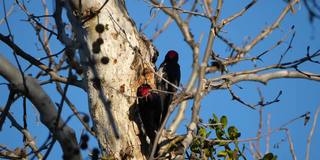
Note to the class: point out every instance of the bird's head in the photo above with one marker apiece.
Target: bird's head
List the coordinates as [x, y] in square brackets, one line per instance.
[144, 90]
[172, 56]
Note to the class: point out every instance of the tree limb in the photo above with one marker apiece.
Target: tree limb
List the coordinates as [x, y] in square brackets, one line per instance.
[33, 61]
[27, 134]
[45, 106]
[263, 78]
[314, 124]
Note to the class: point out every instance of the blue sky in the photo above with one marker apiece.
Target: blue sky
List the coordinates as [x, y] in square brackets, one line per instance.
[299, 96]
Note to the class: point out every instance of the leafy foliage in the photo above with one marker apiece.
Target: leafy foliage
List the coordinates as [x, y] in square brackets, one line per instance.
[222, 144]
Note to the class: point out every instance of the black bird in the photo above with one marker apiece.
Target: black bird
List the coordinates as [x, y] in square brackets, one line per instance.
[150, 109]
[170, 71]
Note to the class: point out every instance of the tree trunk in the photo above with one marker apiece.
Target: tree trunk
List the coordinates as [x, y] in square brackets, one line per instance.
[120, 60]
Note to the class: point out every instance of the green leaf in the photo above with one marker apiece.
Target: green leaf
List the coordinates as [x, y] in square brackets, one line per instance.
[219, 133]
[212, 122]
[230, 153]
[195, 143]
[208, 152]
[224, 121]
[202, 132]
[269, 156]
[208, 134]
[224, 143]
[233, 133]
[215, 118]
[195, 146]
[222, 154]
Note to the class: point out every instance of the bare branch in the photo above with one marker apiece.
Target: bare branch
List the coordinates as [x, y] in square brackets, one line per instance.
[217, 12]
[241, 52]
[32, 60]
[263, 78]
[196, 105]
[8, 154]
[235, 16]
[294, 157]
[45, 106]
[268, 133]
[180, 115]
[268, 30]
[314, 124]
[259, 132]
[237, 98]
[165, 25]
[6, 109]
[184, 27]
[26, 133]
[163, 28]
[185, 30]
[278, 43]
[7, 14]
[74, 110]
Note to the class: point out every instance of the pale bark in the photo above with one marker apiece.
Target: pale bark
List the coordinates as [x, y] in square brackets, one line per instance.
[114, 71]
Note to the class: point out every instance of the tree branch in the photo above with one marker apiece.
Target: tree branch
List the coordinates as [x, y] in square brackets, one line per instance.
[314, 124]
[45, 106]
[263, 78]
[54, 76]
[268, 30]
[196, 105]
[26, 133]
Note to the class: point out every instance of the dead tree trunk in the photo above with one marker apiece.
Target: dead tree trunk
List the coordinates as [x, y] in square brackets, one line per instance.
[117, 59]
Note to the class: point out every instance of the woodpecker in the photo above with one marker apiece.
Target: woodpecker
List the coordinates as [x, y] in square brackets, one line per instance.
[150, 109]
[170, 71]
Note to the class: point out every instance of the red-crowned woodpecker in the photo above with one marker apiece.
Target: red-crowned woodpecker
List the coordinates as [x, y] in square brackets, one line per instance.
[169, 70]
[150, 110]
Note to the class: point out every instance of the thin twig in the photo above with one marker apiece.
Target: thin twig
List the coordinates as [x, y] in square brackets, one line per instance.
[7, 14]
[196, 105]
[314, 124]
[60, 105]
[29, 140]
[268, 133]
[235, 16]
[74, 110]
[259, 132]
[6, 109]
[25, 124]
[268, 30]
[294, 157]
[36, 62]
[237, 98]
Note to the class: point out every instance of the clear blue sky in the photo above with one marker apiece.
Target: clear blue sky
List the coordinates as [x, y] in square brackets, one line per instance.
[299, 96]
